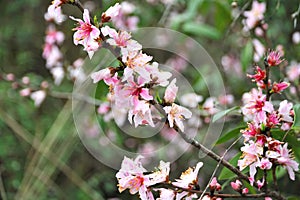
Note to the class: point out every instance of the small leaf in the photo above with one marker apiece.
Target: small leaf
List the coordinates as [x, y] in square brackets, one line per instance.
[296, 124]
[226, 173]
[247, 55]
[230, 134]
[223, 113]
[96, 22]
[201, 30]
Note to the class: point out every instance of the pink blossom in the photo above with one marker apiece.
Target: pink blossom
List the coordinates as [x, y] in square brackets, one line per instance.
[58, 3]
[191, 100]
[296, 37]
[103, 108]
[214, 185]
[284, 111]
[260, 184]
[38, 97]
[274, 58]
[26, 80]
[166, 194]
[54, 36]
[210, 106]
[101, 74]
[245, 191]
[293, 71]
[177, 63]
[178, 114]
[10, 77]
[279, 87]
[131, 176]
[55, 14]
[141, 113]
[121, 39]
[157, 76]
[86, 34]
[53, 55]
[251, 152]
[286, 160]
[189, 177]
[25, 92]
[111, 12]
[232, 65]
[268, 198]
[259, 76]
[254, 15]
[76, 71]
[58, 74]
[251, 131]
[226, 99]
[259, 50]
[136, 62]
[132, 88]
[265, 163]
[171, 92]
[237, 185]
[119, 14]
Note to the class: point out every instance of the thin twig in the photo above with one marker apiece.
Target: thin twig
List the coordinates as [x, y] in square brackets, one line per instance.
[70, 96]
[225, 163]
[2, 189]
[218, 165]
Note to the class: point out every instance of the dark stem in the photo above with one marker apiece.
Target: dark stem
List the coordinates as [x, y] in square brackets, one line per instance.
[275, 178]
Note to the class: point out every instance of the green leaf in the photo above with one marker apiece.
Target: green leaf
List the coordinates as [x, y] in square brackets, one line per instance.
[293, 198]
[296, 124]
[230, 134]
[96, 22]
[223, 113]
[201, 30]
[226, 173]
[247, 55]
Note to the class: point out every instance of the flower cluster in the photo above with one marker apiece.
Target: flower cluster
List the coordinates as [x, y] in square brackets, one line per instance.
[133, 176]
[261, 150]
[131, 92]
[51, 51]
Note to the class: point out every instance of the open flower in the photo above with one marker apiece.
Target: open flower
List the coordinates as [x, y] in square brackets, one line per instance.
[86, 34]
[121, 39]
[274, 58]
[254, 15]
[54, 14]
[286, 161]
[259, 76]
[178, 114]
[132, 176]
[188, 178]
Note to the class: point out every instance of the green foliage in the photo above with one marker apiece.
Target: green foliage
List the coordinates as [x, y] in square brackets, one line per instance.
[247, 55]
[296, 124]
[230, 135]
[201, 30]
[226, 173]
[224, 113]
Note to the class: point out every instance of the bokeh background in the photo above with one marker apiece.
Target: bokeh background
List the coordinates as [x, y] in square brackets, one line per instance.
[41, 155]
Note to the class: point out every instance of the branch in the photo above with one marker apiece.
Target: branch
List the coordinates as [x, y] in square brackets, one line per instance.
[225, 163]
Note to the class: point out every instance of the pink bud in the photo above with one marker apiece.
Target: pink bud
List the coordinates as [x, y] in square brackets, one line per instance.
[236, 185]
[278, 87]
[25, 92]
[10, 77]
[26, 80]
[171, 92]
[245, 191]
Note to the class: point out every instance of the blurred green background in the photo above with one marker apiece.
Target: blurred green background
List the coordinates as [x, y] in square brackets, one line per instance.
[41, 156]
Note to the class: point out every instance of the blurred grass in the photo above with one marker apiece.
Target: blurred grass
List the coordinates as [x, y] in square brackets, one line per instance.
[50, 155]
